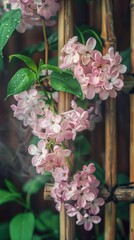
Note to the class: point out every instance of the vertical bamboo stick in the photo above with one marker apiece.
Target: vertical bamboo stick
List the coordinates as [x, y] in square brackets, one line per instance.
[110, 126]
[110, 134]
[132, 121]
[65, 31]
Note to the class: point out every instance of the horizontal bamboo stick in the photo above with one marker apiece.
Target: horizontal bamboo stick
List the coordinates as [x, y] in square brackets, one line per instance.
[122, 193]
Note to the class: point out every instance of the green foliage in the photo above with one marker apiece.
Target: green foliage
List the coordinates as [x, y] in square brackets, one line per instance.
[6, 196]
[11, 187]
[22, 226]
[62, 80]
[123, 208]
[8, 24]
[48, 221]
[4, 231]
[66, 82]
[82, 146]
[84, 32]
[27, 60]
[34, 185]
[1, 63]
[101, 237]
[21, 81]
[43, 66]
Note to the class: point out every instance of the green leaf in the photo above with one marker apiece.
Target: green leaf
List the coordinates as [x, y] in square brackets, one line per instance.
[82, 103]
[82, 145]
[80, 35]
[53, 38]
[50, 67]
[4, 231]
[48, 221]
[8, 24]
[6, 196]
[53, 61]
[2, 66]
[27, 60]
[21, 81]
[122, 178]
[101, 237]
[22, 226]
[66, 82]
[123, 211]
[94, 34]
[34, 185]
[10, 186]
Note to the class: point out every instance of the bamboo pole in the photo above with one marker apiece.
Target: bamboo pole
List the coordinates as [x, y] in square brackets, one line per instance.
[111, 168]
[110, 125]
[65, 31]
[122, 193]
[132, 121]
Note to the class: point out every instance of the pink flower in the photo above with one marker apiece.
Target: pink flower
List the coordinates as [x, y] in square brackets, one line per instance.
[93, 207]
[57, 158]
[32, 11]
[48, 9]
[40, 153]
[97, 74]
[88, 221]
[29, 105]
[60, 174]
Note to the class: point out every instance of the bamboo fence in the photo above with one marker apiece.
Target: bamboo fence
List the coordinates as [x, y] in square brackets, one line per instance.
[120, 193]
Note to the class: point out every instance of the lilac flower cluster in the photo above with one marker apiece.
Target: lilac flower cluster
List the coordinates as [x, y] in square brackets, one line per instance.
[33, 11]
[79, 195]
[51, 129]
[96, 73]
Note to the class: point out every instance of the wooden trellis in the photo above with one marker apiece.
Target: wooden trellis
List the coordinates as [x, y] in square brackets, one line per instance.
[122, 193]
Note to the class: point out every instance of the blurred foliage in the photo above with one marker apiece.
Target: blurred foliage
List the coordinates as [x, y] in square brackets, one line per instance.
[28, 225]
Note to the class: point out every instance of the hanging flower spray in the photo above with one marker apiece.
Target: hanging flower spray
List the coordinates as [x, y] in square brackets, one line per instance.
[88, 74]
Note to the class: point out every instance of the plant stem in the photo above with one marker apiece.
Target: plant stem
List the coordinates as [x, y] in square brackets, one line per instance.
[21, 203]
[28, 198]
[45, 41]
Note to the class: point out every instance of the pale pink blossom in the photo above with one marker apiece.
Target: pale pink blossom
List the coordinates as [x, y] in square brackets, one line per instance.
[79, 195]
[29, 105]
[33, 11]
[97, 74]
[39, 152]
